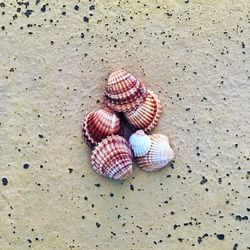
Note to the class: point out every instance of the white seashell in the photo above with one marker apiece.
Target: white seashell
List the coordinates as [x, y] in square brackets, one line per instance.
[159, 155]
[140, 143]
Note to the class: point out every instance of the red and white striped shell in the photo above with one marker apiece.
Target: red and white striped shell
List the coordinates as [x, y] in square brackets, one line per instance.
[159, 155]
[112, 158]
[99, 124]
[146, 116]
[124, 92]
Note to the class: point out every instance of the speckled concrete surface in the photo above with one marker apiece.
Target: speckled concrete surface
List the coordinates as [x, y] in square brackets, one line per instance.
[54, 59]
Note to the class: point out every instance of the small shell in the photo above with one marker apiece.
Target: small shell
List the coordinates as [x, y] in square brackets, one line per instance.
[112, 158]
[159, 155]
[124, 91]
[140, 143]
[99, 124]
[146, 116]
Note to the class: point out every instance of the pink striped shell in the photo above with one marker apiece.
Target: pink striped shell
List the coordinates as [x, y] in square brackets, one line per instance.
[159, 155]
[147, 115]
[124, 91]
[99, 124]
[112, 158]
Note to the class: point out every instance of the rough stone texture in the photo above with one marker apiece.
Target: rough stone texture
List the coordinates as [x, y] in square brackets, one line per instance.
[55, 57]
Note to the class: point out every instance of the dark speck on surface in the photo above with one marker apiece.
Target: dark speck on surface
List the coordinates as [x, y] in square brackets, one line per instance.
[132, 187]
[5, 181]
[220, 236]
[240, 218]
[26, 165]
[85, 19]
[28, 12]
[235, 246]
[43, 9]
[40, 136]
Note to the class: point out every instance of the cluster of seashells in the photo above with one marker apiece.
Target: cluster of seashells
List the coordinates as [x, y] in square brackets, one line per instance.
[126, 98]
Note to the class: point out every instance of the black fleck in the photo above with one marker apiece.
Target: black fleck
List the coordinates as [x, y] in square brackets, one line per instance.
[220, 236]
[85, 19]
[28, 12]
[5, 181]
[26, 165]
[43, 9]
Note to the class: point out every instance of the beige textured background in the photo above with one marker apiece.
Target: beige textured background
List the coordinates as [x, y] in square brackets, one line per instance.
[53, 66]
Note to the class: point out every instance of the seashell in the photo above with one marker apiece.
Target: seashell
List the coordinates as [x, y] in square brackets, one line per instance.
[112, 158]
[140, 143]
[99, 124]
[146, 116]
[124, 91]
[159, 155]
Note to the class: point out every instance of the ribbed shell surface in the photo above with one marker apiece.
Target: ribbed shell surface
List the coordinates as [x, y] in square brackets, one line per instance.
[124, 91]
[159, 156]
[140, 143]
[99, 124]
[112, 158]
[147, 115]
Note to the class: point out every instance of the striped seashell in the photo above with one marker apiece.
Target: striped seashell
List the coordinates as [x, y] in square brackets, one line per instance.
[159, 155]
[124, 91]
[112, 158]
[140, 143]
[147, 115]
[99, 124]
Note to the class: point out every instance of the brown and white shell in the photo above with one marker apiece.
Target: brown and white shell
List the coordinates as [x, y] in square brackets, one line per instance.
[124, 92]
[112, 158]
[159, 155]
[99, 124]
[147, 115]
